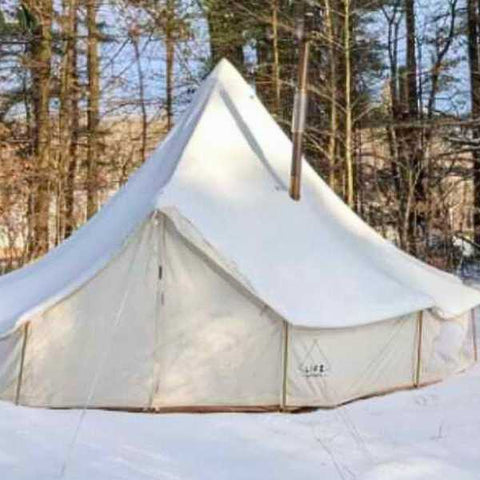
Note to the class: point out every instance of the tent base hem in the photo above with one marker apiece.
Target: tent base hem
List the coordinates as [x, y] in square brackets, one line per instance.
[242, 409]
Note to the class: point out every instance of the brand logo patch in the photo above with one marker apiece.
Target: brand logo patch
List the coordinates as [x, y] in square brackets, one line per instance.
[315, 363]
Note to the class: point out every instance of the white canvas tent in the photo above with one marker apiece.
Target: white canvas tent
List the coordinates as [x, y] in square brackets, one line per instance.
[201, 285]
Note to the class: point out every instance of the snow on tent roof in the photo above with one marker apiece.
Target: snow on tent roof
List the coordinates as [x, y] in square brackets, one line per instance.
[221, 175]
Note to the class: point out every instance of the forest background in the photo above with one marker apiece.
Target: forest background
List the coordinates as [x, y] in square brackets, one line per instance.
[88, 88]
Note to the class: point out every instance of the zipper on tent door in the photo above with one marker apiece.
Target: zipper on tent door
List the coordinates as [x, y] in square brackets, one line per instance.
[159, 300]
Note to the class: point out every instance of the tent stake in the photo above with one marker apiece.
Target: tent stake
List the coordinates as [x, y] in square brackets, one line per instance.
[22, 360]
[419, 349]
[474, 335]
[285, 368]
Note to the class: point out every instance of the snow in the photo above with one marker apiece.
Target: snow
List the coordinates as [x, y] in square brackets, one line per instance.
[430, 433]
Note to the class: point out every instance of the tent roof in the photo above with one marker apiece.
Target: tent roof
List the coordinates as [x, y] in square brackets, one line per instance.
[221, 175]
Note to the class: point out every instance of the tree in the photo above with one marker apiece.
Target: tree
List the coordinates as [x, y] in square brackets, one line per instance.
[348, 103]
[66, 120]
[473, 35]
[226, 26]
[70, 106]
[170, 58]
[410, 146]
[93, 107]
[40, 49]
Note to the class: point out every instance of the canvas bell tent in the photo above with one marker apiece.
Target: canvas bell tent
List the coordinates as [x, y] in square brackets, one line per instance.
[202, 285]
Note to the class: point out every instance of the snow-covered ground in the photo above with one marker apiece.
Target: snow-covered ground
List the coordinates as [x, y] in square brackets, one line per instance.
[431, 433]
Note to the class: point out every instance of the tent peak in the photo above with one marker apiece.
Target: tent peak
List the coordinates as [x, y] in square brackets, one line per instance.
[226, 71]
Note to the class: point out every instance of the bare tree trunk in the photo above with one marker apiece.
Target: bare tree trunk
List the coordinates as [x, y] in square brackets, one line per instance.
[65, 114]
[348, 106]
[333, 81]
[41, 54]
[27, 101]
[395, 135]
[93, 109]
[141, 88]
[170, 57]
[413, 143]
[71, 163]
[473, 17]
[276, 59]
[412, 97]
[340, 159]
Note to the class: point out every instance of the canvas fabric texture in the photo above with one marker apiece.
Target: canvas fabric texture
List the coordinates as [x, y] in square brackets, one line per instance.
[10, 360]
[165, 325]
[224, 169]
[447, 346]
[331, 366]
